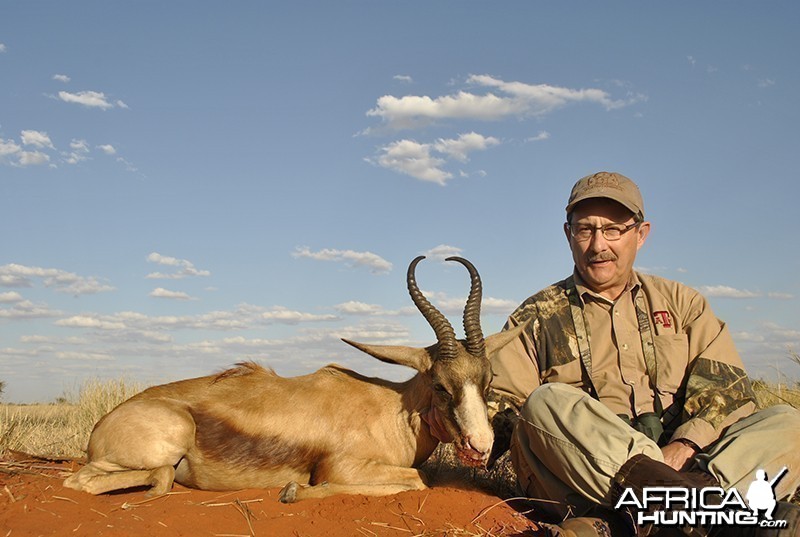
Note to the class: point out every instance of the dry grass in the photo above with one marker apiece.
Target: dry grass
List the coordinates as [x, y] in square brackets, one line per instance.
[62, 429]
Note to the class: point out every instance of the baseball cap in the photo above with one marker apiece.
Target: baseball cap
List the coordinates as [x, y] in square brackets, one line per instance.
[609, 185]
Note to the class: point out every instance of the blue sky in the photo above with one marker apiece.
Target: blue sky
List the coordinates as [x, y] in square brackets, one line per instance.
[184, 185]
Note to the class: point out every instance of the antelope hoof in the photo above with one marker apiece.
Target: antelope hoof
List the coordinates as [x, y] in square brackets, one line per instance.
[289, 493]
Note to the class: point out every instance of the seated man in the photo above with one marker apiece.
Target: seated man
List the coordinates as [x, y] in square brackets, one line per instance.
[626, 380]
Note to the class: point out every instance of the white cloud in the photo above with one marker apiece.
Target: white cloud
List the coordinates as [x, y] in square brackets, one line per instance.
[354, 307]
[3, 48]
[766, 82]
[122, 105]
[160, 292]
[442, 252]
[90, 99]
[14, 275]
[33, 158]
[403, 78]
[724, 291]
[25, 309]
[108, 149]
[543, 135]
[374, 262]
[287, 316]
[358, 308]
[62, 78]
[516, 99]
[79, 145]
[10, 297]
[184, 267]
[460, 148]
[781, 296]
[9, 147]
[412, 158]
[415, 159]
[36, 138]
[80, 148]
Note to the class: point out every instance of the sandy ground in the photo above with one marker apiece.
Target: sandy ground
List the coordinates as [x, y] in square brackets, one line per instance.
[34, 502]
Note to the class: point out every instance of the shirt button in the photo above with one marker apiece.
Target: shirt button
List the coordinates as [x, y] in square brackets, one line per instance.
[625, 346]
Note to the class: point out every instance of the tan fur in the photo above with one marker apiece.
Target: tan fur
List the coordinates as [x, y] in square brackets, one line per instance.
[334, 431]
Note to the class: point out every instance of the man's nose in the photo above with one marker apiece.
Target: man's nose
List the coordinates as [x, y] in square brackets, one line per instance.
[598, 242]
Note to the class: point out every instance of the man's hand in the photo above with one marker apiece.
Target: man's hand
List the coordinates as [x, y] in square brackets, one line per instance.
[434, 421]
[678, 455]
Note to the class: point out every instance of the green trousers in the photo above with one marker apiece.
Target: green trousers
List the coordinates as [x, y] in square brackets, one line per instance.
[567, 447]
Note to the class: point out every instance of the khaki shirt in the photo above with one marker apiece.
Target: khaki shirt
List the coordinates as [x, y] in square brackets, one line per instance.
[700, 378]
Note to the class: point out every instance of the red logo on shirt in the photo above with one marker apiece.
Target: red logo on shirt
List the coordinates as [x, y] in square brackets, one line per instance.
[663, 318]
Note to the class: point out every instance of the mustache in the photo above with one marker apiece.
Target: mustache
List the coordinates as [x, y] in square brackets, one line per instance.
[602, 256]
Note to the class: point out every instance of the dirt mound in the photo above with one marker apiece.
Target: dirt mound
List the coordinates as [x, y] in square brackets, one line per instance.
[34, 502]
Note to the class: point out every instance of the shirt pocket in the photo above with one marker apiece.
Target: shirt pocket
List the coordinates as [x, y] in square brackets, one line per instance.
[672, 359]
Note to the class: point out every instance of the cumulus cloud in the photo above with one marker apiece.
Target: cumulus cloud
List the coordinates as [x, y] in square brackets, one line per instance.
[108, 149]
[183, 268]
[33, 158]
[160, 292]
[513, 99]
[129, 324]
[61, 78]
[375, 263]
[3, 48]
[89, 99]
[10, 297]
[543, 135]
[442, 252]
[417, 159]
[724, 291]
[37, 139]
[14, 275]
[25, 309]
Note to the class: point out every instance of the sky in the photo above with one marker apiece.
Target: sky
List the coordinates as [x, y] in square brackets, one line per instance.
[187, 185]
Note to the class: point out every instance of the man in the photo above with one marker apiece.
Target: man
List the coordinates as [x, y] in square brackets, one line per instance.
[626, 380]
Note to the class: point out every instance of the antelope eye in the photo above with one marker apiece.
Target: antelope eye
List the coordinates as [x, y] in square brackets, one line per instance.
[440, 389]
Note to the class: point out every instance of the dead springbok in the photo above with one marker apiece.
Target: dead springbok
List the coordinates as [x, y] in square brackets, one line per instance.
[334, 429]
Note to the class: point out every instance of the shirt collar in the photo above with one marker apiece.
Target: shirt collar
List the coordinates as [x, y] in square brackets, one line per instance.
[633, 286]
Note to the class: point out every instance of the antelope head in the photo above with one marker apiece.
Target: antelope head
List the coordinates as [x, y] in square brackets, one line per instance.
[458, 371]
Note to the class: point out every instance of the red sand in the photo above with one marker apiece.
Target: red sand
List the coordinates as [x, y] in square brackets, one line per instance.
[34, 502]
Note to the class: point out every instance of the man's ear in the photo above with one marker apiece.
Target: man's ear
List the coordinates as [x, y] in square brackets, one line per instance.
[643, 232]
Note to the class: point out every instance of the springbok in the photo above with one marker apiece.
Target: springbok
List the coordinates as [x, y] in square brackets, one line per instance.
[334, 430]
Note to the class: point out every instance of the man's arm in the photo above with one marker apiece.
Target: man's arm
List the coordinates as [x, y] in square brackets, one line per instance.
[718, 390]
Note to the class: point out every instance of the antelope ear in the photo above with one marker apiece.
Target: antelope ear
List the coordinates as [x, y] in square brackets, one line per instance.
[415, 358]
[499, 340]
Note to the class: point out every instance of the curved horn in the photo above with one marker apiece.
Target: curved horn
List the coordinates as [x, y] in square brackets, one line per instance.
[472, 312]
[441, 326]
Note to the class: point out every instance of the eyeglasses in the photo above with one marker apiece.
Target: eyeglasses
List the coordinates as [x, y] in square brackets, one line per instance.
[611, 232]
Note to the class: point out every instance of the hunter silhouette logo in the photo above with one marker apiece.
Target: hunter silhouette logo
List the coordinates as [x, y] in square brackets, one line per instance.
[708, 506]
[761, 494]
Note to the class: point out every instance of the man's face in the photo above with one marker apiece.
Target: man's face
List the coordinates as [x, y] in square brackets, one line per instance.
[604, 265]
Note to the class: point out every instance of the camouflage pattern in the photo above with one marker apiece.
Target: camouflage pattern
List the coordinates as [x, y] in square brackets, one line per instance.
[714, 390]
[552, 329]
[702, 386]
[503, 415]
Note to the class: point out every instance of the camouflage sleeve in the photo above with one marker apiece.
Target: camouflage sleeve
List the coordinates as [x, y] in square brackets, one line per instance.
[718, 390]
[503, 415]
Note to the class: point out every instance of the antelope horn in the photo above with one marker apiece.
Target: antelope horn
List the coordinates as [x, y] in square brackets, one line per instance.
[441, 326]
[472, 312]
